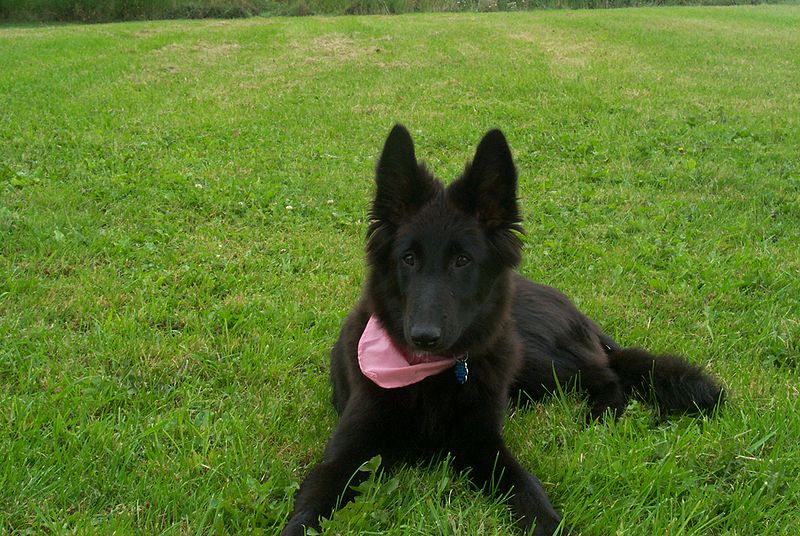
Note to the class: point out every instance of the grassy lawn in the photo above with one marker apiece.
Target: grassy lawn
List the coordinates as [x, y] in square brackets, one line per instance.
[182, 214]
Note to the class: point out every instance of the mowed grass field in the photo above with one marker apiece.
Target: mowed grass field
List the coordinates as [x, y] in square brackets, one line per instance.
[182, 215]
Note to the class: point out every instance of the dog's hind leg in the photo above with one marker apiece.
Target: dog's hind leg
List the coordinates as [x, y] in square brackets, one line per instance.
[605, 391]
[568, 364]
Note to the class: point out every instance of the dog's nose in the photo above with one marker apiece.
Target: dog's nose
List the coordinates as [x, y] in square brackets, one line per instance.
[425, 336]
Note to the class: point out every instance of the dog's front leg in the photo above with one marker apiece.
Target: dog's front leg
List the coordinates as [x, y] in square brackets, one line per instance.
[329, 483]
[492, 467]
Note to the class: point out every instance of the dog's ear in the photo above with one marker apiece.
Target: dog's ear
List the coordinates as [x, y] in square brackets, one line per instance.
[403, 185]
[488, 191]
[488, 187]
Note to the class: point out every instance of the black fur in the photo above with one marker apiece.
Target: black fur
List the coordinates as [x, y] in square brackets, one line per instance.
[441, 280]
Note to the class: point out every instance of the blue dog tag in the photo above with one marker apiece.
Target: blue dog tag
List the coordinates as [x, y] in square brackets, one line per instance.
[462, 370]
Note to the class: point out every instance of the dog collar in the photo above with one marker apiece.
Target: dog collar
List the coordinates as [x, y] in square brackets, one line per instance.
[387, 366]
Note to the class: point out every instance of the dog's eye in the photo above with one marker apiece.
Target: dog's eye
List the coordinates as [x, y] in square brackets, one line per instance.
[462, 260]
[409, 259]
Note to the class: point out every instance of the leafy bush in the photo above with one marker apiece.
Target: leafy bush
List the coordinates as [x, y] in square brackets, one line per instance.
[117, 10]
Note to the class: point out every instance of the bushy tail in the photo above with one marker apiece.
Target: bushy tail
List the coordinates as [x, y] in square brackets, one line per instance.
[674, 384]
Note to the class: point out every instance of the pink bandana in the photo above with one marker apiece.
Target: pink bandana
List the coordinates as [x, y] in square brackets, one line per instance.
[383, 363]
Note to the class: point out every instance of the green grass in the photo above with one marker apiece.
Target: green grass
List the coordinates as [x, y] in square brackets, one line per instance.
[182, 214]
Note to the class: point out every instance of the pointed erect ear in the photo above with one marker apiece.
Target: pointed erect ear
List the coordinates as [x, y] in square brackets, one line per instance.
[488, 187]
[403, 186]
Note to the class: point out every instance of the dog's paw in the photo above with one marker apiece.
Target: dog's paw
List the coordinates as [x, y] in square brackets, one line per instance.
[547, 526]
[293, 529]
[297, 525]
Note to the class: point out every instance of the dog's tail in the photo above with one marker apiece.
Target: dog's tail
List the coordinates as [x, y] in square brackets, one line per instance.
[675, 385]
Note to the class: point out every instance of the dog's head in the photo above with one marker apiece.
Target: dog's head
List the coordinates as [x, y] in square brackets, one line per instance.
[440, 257]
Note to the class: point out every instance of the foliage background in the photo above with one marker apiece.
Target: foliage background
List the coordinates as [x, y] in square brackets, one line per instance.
[116, 10]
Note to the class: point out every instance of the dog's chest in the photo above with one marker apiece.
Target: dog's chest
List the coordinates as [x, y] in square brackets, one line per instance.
[440, 411]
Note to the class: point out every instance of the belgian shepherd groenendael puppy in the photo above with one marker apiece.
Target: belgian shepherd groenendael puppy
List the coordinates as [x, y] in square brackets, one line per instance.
[446, 332]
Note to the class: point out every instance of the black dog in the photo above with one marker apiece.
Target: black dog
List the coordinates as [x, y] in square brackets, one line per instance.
[446, 332]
